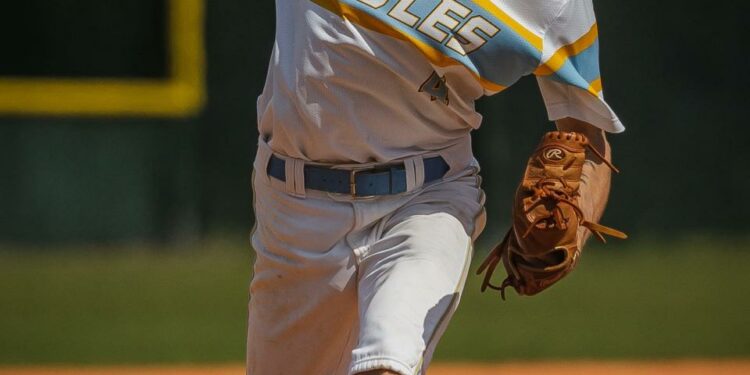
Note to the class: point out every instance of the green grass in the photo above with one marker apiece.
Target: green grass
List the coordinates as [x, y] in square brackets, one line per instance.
[124, 306]
[685, 299]
[169, 305]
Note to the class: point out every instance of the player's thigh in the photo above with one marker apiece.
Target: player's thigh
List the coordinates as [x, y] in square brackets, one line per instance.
[409, 286]
[303, 305]
[302, 321]
[411, 277]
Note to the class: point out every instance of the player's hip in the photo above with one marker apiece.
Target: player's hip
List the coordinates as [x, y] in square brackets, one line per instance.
[361, 181]
[295, 216]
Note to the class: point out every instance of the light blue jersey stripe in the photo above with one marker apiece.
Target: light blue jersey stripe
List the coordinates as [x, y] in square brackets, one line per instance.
[503, 59]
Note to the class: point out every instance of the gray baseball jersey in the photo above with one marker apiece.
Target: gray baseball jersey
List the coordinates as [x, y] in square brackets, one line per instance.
[378, 80]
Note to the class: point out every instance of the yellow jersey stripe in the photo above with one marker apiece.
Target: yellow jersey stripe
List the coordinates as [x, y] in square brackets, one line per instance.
[525, 33]
[596, 86]
[558, 59]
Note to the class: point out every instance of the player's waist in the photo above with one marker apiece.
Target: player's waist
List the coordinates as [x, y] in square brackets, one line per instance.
[300, 177]
[374, 180]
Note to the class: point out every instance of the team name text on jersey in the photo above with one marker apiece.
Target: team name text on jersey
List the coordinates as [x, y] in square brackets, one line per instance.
[466, 33]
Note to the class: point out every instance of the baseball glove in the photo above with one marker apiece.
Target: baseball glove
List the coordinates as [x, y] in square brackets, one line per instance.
[543, 245]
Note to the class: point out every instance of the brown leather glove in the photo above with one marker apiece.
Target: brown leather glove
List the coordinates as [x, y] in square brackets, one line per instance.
[542, 246]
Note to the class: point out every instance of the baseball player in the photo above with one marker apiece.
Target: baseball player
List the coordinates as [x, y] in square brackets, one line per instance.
[366, 193]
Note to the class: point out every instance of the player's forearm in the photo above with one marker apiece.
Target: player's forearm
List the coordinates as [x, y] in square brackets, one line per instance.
[596, 177]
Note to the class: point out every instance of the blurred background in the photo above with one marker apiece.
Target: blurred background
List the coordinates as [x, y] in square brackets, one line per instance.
[127, 132]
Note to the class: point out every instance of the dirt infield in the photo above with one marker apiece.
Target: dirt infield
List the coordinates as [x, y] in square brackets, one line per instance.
[692, 367]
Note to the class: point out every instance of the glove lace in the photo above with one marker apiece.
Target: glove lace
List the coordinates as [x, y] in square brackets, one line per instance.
[553, 191]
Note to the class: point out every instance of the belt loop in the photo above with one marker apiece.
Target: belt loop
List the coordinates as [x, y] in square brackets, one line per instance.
[414, 172]
[262, 157]
[299, 177]
[294, 170]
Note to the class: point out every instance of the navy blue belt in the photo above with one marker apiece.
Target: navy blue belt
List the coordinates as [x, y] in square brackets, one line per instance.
[386, 180]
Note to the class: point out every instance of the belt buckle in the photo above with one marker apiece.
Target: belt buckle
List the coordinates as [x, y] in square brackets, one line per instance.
[353, 182]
